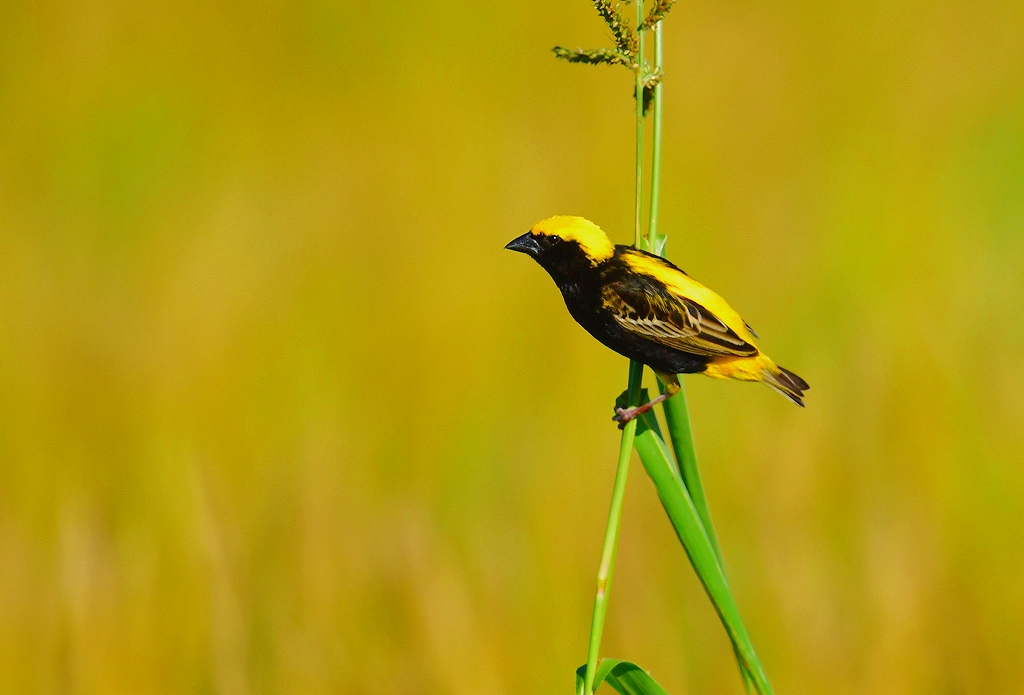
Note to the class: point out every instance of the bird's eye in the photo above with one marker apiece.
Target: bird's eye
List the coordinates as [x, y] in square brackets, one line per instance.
[555, 239]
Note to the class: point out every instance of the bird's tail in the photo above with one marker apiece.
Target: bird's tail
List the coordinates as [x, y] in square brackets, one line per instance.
[784, 381]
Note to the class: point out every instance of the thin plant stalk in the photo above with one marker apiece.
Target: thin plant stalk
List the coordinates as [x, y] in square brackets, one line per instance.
[611, 533]
[636, 371]
[653, 240]
[638, 235]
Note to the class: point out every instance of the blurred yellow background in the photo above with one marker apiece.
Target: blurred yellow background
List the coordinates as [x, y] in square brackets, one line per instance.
[279, 415]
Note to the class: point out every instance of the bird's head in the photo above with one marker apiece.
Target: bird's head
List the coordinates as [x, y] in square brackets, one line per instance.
[565, 245]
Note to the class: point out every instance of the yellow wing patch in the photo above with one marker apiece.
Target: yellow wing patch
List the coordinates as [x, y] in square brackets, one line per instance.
[684, 287]
[591, 238]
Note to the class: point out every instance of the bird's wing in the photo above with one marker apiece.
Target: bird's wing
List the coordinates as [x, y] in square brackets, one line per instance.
[645, 306]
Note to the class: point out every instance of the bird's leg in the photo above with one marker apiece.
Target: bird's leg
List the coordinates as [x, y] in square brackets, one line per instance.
[672, 387]
[624, 415]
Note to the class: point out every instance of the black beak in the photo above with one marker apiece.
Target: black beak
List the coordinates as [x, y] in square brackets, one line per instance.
[524, 244]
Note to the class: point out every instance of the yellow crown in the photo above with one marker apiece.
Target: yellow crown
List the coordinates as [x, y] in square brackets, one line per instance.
[591, 238]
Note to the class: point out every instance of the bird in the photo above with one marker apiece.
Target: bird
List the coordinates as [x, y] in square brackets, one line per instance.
[645, 308]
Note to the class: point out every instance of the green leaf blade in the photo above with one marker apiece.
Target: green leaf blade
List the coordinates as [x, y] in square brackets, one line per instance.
[690, 530]
[677, 419]
[624, 676]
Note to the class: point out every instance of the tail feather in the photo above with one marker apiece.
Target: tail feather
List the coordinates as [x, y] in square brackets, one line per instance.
[785, 382]
[759, 368]
[799, 383]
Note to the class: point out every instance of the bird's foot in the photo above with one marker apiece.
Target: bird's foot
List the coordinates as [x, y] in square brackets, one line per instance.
[624, 415]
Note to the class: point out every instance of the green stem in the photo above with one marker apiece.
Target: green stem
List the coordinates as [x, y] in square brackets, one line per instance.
[638, 232]
[611, 533]
[636, 373]
[652, 225]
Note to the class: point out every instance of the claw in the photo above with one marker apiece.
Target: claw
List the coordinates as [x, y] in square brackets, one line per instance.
[624, 415]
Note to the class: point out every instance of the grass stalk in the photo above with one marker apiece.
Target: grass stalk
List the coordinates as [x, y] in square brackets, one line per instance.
[653, 239]
[611, 533]
[636, 371]
[638, 234]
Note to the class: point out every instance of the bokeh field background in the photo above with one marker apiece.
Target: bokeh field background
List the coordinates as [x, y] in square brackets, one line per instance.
[279, 415]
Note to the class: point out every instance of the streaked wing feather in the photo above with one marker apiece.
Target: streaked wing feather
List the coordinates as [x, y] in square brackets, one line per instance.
[654, 313]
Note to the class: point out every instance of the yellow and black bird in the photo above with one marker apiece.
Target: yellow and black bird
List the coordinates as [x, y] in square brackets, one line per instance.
[645, 308]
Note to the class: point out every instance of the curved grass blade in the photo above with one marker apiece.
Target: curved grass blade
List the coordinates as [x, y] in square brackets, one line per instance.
[677, 418]
[686, 521]
[624, 676]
